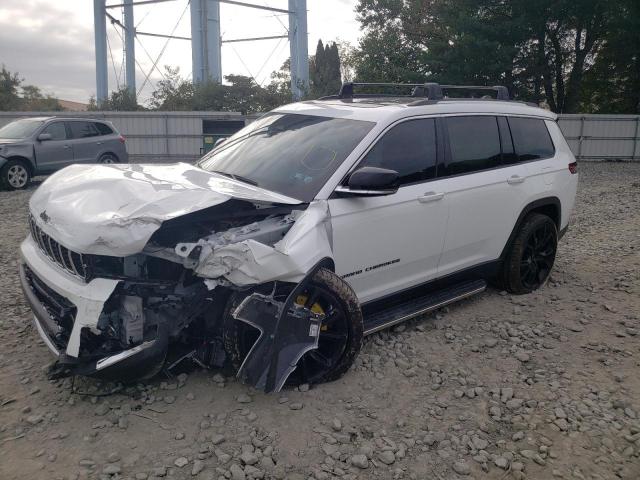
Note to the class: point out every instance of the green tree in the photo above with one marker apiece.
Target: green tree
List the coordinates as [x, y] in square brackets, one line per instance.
[347, 54]
[238, 94]
[15, 96]
[279, 88]
[119, 100]
[540, 50]
[612, 85]
[9, 88]
[324, 70]
[173, 92]
[33, 100]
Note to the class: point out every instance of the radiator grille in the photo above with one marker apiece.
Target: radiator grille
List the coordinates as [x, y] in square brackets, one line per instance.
[69, 260]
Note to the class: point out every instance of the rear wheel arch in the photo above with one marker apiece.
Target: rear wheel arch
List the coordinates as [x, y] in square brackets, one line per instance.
[108, 154]
[549, 206]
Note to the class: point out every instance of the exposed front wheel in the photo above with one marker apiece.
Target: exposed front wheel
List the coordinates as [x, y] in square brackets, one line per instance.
[532, 254]
[15, 175]
[341, 329]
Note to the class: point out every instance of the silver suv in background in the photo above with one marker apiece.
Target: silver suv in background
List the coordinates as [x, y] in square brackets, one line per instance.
[38, 146]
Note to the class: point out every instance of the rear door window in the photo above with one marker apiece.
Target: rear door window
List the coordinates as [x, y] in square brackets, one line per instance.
[531, 139]
[409, 148]
[56, 130]
[474, 143]
[83, 130]
[103, 128]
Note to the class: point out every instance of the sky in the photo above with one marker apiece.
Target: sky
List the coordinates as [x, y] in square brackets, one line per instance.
[51, 43]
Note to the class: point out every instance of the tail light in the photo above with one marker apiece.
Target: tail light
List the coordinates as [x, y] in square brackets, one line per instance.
[121, 138]
[573, 167]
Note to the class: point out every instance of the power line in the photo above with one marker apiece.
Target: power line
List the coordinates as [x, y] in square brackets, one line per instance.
[267, 60]
[163, 48]
[113, 63]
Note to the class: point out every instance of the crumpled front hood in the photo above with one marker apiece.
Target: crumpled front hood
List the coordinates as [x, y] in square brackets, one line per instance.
[114, 209]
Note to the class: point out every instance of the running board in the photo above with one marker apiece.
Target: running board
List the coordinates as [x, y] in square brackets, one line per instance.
[390, 316]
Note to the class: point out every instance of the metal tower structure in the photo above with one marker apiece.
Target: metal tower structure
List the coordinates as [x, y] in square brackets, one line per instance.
[206, 43]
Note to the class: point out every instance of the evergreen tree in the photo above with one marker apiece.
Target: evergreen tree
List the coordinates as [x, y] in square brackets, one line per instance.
[324, 70]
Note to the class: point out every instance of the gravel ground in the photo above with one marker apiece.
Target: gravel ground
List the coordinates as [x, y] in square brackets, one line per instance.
[497, 387]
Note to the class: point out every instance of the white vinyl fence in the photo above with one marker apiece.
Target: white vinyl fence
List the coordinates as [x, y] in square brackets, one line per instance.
[183, 136]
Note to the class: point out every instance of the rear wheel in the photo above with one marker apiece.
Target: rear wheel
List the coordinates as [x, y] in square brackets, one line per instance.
[531, 257]
[15, 175]
[108, 158]
[340, 337]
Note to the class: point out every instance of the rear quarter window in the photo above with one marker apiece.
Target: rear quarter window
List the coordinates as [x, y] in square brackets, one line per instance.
[104, 129]
[531, 139]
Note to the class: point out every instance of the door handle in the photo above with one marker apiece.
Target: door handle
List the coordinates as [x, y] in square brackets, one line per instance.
[66, 146]
[98, 143]
[431, 197]
[515, 179]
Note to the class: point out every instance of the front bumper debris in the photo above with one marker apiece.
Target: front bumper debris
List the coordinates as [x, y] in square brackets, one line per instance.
[287, 332]
[65, 298]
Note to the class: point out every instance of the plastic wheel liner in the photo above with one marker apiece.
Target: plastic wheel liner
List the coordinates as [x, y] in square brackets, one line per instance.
[287, 332]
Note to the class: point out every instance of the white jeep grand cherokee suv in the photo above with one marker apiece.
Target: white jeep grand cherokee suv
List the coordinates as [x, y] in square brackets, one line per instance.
[319, 223]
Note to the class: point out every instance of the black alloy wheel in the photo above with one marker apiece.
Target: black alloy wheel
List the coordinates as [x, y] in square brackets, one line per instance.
[538, 256]
[531, 257]
[340, 337]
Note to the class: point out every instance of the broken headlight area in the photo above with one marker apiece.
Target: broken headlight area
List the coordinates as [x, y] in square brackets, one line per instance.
[137, 323]
[228, 222]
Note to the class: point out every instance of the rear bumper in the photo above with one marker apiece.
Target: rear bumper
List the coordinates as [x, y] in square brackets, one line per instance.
[45, 286]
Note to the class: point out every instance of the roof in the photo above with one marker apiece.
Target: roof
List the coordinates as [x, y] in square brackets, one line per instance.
[64, 117]
[376, 109]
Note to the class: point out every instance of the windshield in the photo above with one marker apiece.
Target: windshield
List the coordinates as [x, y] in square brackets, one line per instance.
[287, 153]
[20, 129]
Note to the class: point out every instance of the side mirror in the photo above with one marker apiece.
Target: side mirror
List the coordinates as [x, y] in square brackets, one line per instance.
[44, 136]
[371, 181]
[219, 141]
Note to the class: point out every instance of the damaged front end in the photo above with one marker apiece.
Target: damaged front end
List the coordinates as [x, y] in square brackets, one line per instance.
[115, 316]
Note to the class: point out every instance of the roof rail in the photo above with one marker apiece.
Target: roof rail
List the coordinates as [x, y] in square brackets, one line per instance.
[501, 91]
[430, 90]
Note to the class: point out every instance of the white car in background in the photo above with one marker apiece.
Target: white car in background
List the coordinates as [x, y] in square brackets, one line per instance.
[319, 223]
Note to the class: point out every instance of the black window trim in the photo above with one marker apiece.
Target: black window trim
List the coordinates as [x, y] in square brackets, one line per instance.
[64, 124]
[443, 150]
[439, 149]
[553, 145]
[495, 115]
[89, 121]
[100, 134]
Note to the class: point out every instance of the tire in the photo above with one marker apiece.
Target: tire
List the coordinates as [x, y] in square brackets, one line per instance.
[531, 256]
[345, 319]
[16, 175]
[108, 158]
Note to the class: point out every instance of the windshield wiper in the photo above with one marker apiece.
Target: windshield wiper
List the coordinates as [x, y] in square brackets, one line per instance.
[240, 178]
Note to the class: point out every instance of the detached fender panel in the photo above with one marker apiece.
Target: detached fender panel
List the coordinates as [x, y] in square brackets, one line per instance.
[287, 332]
